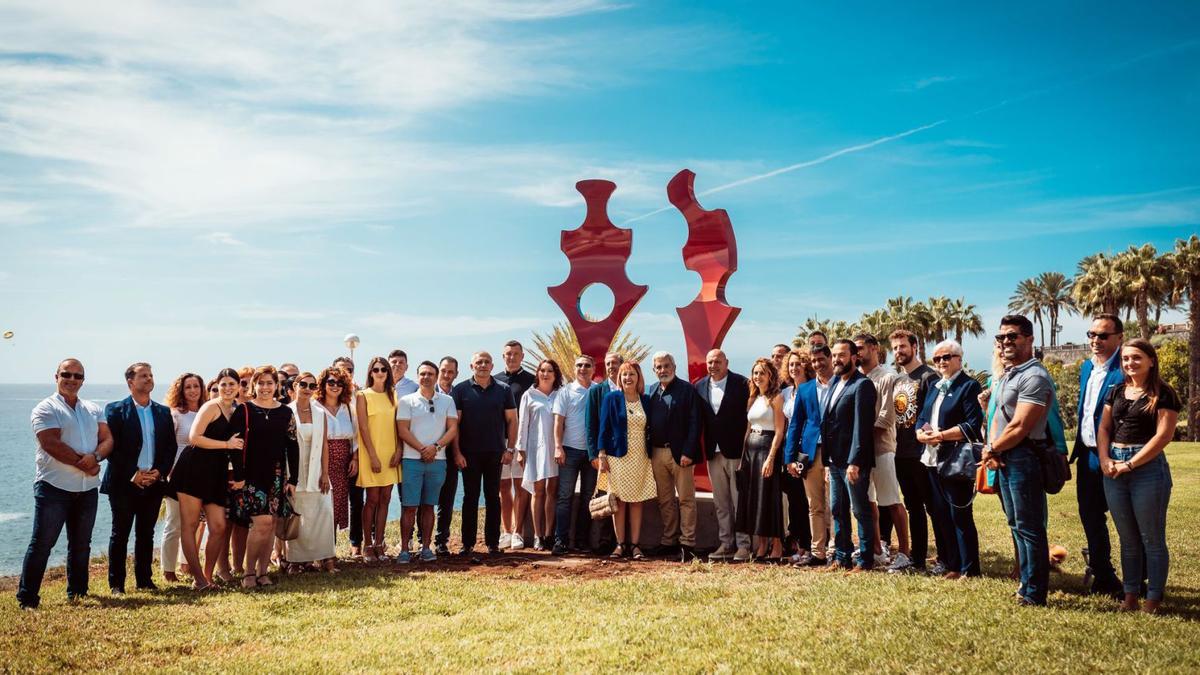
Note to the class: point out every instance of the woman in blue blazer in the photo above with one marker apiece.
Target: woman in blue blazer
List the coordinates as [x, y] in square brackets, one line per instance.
[952, 414]
[624, 455]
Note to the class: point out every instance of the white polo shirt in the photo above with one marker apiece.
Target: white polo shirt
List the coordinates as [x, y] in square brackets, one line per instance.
[426, 425]
[79, 427]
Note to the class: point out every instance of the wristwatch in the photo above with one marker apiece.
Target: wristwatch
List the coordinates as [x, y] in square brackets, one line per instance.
[438, 446]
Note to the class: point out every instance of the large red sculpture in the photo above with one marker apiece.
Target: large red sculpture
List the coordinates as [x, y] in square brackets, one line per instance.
[711, 252]
[597, 251]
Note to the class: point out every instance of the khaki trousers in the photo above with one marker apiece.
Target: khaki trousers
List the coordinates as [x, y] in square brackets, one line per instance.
[676, 498]
[818, 506]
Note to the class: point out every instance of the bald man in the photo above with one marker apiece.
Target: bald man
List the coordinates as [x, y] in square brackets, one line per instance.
[723, 400]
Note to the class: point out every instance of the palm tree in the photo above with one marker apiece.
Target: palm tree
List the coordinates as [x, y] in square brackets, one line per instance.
[832, 329]
[965, 320]
[1146, 279]
[940, 318]
[1029, 299]
[1056, 297]
[562, 346]
[1098, 286]
[1186, 260]
[913, 316]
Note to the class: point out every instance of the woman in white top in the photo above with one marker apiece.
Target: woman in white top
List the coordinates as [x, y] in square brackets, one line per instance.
[334, 397]
[183, 398]
[313, 501]
[535, 450]
[760, 500]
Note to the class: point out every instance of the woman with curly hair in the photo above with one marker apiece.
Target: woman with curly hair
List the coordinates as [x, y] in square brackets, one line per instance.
[334, 398]
[184, 398]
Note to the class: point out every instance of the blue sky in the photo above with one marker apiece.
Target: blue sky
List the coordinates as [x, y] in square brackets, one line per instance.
[202, 185]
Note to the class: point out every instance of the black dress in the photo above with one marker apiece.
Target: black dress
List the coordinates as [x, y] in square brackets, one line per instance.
[203, 473]
[269, 455]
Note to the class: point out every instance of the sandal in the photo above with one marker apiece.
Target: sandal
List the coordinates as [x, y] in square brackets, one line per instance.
[224, 577]
[264, 580]
[618, 552]
[253, 581]
[637, 553]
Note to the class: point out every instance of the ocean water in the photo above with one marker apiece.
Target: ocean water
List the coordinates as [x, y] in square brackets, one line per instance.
[18, 449]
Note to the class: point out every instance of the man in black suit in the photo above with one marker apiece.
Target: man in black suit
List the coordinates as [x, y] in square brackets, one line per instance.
[136, 479]
[674, 424]
[724, 396]
[848, 442]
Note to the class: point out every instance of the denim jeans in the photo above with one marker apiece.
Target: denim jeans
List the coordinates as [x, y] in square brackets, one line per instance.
[846, 497]
[1023, 494]
[52, 509]
[578, 467]
[1089, 493]
[1138, 502]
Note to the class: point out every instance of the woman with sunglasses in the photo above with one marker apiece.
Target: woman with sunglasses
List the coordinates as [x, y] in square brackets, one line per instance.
[535, 451]
[378, 459]
[314, 545]
[334, 399]
[199, 479]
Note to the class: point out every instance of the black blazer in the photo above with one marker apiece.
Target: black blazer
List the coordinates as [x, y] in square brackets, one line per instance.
[126, 430]
[683, 423]
[848, 429]
[727, 426]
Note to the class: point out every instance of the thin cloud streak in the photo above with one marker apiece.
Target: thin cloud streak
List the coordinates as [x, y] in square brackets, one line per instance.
[802, 165]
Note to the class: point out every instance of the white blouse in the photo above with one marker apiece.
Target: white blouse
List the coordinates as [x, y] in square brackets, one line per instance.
[760, 415]
[340, 425]
[183, 427]
[535, 436]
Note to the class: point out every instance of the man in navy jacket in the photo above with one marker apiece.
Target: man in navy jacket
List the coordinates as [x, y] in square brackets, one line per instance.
[674, 422]
[1096, 376]
[848, 449]
[724, 396]
[136, 478]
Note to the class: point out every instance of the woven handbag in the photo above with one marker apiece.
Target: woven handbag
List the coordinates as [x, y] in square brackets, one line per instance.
[602, 506]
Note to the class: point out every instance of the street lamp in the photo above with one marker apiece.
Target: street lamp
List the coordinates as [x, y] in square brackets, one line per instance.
[351, 341]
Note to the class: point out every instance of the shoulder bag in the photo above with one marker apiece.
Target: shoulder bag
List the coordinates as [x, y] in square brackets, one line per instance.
[960, 461]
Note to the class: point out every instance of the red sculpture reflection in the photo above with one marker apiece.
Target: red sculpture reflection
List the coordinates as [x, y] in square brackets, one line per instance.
[598, 252]
[711, 252]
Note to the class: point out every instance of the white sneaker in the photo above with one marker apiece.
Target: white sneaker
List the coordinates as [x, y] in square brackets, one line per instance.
[516, 542]
[902, 563]
[505, 540]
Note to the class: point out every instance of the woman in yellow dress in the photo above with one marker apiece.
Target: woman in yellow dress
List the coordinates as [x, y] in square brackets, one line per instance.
[625, 470]
[378, 459]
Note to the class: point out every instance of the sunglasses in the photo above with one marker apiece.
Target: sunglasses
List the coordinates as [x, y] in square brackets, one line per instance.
[1099, 336]
[583, 365]
[71, 376]
[245, 383]
[1007, 337]
[333, 383]
[307, 385]
[380, 369]
[944, 357]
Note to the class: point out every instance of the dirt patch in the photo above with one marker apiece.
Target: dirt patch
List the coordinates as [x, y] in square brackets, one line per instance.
[535, 566]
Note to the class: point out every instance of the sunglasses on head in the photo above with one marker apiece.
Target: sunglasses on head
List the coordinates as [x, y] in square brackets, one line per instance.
[1099, 336]
[71, 376]
[944, 357]
[1007, 337]
[307, 385]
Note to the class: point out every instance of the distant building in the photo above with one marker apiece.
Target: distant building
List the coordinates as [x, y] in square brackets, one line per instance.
[1066, 354]
[1173, 329]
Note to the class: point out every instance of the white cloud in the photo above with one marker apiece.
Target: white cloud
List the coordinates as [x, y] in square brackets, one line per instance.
[222, 238]
[450, 326]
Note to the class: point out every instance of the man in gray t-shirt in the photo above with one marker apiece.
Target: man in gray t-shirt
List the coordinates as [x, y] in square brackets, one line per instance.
[1026, 393]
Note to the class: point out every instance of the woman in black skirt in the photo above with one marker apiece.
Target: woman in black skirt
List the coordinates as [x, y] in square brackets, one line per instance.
[760, 498]
[262, 483]
[199, 477]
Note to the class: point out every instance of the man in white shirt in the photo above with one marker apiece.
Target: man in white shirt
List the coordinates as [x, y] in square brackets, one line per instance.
[724, 397]
[73, 438]
[447, 372]
[886, 486]
[427, 422]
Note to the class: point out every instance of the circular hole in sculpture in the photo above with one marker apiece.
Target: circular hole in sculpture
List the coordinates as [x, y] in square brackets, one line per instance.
[596, 302]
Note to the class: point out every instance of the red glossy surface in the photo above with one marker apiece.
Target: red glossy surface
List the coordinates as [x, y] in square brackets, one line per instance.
[711, 252]
[598, 252]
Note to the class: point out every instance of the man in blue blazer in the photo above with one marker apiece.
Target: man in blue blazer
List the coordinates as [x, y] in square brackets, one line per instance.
[1096, 376]
[724, 398]
[848, 444]
[135, 480]
[673, 419]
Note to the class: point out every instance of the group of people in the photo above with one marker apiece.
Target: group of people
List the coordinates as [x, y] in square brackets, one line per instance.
[267, 464]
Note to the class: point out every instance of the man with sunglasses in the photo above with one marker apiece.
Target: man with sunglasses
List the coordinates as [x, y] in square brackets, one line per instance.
[570, 452]
[1018, 435]
[1096, 376]
[72, 438]
[427, 422]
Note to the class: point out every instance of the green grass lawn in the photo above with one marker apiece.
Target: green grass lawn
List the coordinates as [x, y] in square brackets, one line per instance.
[529, 613]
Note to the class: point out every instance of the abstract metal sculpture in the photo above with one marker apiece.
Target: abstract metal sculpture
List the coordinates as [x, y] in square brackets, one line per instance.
[711, 252]
[598, 252]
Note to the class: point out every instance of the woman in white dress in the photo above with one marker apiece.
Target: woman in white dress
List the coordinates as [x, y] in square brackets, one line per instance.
[535, 450]
[183, 398]
[314, 545]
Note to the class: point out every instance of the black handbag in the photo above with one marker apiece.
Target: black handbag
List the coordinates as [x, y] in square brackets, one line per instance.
[1056, 470]
[959, 461]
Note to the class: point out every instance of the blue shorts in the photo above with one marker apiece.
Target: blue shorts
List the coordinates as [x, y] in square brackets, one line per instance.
[422, 482]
